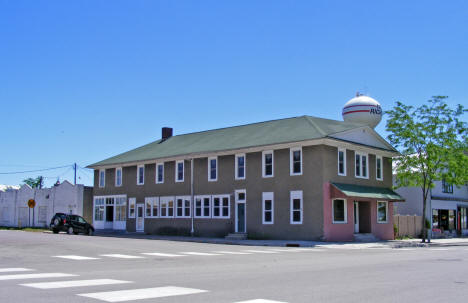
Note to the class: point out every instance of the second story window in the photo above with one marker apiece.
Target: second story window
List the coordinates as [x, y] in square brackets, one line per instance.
[240, 167]
[179, 174]
[118, 176]
[212, 169]
[361, 165]
[447, 187]
[159, 173]
[267, 164]
[378, 168]
[295, 161]
[342, 162]
[140, 175]
[102, 177]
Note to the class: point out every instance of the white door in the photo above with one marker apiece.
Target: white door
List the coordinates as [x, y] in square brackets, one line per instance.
[356, 217]
[140, 217]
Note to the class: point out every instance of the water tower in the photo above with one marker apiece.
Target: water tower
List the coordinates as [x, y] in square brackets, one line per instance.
[363, 110]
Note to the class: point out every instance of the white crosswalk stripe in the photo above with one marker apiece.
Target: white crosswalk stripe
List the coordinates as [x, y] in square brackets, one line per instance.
[35, 276]
[120, 256]
[142, 293]
[261, 251]
[75, 283]
[261, 301]
[163, 255]
[15, 269]
[74, 257]
[194, 253]
[232, 252]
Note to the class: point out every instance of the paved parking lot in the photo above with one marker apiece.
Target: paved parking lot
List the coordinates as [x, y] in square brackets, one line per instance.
[37, 267]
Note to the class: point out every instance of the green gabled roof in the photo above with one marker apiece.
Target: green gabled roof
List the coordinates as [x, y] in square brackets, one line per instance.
[232, 138]
[352, 190]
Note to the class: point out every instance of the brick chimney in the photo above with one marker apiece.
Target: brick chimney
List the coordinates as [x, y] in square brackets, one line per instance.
[166, 133]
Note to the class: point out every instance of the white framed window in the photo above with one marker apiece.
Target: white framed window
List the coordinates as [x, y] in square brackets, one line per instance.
[240, 167]
[379, 168]
[159, 173]
[220, 206]
[131, 207]
[152, 207]
[202, 206]
[268, 206]
[166, 205]
[140, 174]
[361, 165]
[179, 171]
[267, 164]
[99, 209]
[341, 162]
[183, 206]
[382, 212]
[148, 207]
[102, 177]
[241, 195]
[212, 169]
[118, 176]
[296, 207]
[121, 208]
[339, 211]
[295, 161]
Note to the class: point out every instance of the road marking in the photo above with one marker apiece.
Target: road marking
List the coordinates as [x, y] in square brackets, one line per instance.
[261, 301]
[405, 249]
[142, 293]
[163, 255]
[193, 253]
[15, 269]
[438, 249]
[261, 251]
[122, 256]
[35, 276]
[74, 257]
[296, 249]
[76, 283]
[232, 252]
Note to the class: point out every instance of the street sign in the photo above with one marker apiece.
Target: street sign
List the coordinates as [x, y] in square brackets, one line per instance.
[31, 203]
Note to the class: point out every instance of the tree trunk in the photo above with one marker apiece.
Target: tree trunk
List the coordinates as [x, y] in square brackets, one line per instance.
[424, 230]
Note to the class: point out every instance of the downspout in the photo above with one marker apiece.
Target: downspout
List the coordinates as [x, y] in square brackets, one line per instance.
[192, 231]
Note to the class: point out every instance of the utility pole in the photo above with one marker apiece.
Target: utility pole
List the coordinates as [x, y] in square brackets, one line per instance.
[74, 167]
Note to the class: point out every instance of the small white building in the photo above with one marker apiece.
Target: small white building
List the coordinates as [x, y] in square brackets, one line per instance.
[447, 206]
[65, 198]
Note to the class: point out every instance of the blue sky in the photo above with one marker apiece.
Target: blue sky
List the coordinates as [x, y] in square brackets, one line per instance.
[81, 81]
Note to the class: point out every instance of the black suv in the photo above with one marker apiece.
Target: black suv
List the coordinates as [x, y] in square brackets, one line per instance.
[71, 224]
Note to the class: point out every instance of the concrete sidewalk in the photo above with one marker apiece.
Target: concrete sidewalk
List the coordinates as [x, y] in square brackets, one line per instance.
[283, 243]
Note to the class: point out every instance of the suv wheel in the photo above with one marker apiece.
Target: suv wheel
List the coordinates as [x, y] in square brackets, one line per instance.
[56, 221]
[55, 231]
[70, 230]
[90, 232]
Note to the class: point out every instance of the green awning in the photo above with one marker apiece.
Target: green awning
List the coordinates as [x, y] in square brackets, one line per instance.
[352, 190]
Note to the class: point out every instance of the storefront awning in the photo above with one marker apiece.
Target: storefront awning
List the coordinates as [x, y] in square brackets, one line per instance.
[352, 190]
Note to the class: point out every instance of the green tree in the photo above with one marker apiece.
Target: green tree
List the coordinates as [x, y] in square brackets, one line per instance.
[432, 140]
[37, 182]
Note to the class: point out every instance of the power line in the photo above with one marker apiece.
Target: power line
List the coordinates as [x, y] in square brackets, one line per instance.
[32, 171]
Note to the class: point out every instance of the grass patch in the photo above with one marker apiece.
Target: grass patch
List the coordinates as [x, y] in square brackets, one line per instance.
[30, 229]
[404, 238]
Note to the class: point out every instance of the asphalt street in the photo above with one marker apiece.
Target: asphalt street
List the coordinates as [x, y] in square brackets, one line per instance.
[40, 267]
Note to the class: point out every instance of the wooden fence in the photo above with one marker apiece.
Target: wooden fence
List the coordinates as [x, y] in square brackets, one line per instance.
[410, 226]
